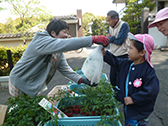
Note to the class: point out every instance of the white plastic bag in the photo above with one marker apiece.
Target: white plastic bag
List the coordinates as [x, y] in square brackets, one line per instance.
[92, 66]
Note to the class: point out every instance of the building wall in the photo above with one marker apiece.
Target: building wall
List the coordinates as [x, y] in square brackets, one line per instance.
[80, 26]
[72, 30]
[159, 39]
[12, 42]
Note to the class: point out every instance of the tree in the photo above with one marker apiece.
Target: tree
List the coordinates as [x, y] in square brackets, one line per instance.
[1, 28]
[99, 26]
[133, 13]
[30, 13]
[2, 6]
[86, 18]
[10, 26]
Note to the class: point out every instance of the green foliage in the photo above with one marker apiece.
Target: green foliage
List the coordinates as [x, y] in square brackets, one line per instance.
[16, 55]
[86, 18]
[100, 98]
[26, 111]
[1, 5]
[30, 13]
[133, 13]
[1, 28]
[98, 27]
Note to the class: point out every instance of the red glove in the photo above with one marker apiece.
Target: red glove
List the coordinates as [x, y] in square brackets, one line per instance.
[102, 40]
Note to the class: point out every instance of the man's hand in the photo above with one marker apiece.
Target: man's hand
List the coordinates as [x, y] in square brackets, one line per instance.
[86, 81]
[128, 101]
[101, 40]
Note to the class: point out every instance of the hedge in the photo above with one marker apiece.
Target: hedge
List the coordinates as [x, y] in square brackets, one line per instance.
[16, 55]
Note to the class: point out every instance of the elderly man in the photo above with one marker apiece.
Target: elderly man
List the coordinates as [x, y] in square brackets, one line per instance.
[118, 35]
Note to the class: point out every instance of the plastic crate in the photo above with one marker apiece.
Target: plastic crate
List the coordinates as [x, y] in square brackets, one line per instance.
[103, 75]
[79, 121]
[76, 87]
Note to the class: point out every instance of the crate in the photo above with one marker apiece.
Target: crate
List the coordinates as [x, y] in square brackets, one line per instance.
[79, 121]
[103, 76]
[76, 87]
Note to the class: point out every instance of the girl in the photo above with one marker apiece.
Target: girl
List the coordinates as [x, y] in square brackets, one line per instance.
[161, 21]
[138, 85]
[44, 55]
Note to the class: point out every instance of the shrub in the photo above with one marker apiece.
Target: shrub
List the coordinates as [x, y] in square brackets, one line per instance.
[16, 55]
[26, 111]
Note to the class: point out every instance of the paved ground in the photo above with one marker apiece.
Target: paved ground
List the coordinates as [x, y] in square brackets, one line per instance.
[160, 61]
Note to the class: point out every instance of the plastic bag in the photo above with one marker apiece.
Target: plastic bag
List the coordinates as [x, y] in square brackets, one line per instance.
[92, 66]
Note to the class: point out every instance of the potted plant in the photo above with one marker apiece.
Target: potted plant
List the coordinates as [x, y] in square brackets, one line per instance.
[97, 101]
[76, 109]
[69, 112]
[24, 110]
[101, 100]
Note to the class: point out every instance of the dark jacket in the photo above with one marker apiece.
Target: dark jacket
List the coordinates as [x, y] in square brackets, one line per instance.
[144, 96]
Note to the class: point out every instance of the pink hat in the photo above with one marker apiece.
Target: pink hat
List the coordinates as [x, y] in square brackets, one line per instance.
[148, 43]
[160, 16]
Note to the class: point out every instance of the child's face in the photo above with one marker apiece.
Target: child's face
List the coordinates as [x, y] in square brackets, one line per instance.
[163, 27]
[133, 53]
[62, 34]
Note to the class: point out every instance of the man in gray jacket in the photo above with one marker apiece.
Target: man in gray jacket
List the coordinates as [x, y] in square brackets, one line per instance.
[44, 55]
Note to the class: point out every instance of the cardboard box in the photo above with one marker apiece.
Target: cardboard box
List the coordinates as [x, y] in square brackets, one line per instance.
[53, 92]
[3, 109]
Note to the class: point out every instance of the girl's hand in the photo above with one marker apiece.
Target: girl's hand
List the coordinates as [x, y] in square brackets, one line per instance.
[103, 51]
[128, 101]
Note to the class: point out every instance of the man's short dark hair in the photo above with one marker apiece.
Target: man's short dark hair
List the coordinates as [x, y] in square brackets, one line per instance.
[113, 14]
[57, 26]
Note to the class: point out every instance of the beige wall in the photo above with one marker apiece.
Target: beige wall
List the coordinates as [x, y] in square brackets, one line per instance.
[12, 42]
[72, 30]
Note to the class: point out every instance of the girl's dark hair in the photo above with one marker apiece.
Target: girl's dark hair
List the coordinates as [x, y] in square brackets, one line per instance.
[138, 45]
[57, 26]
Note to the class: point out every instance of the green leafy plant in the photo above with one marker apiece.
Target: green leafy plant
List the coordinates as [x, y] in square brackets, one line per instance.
[98, 101]
[16, 55]
[102, 100]
[26, 111]
[95, 101]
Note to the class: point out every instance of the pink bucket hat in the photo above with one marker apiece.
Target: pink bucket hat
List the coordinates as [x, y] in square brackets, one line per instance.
[148, 43]
[160, 16]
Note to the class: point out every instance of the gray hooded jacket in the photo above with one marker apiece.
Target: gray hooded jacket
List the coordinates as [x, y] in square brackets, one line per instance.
[33, 69]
